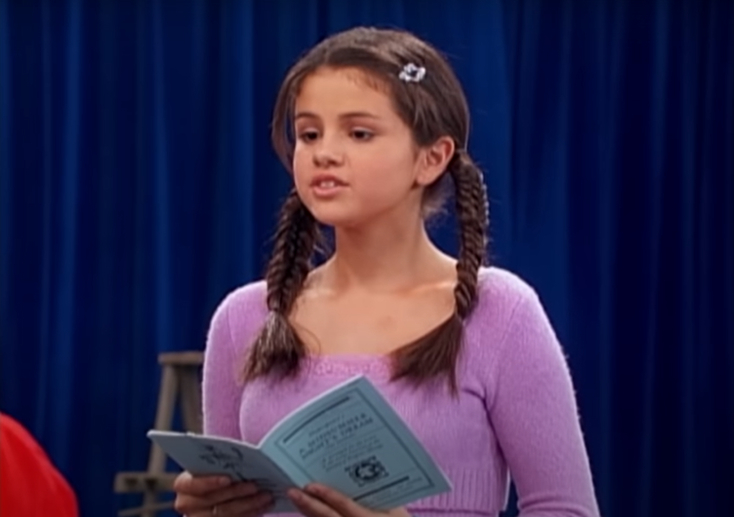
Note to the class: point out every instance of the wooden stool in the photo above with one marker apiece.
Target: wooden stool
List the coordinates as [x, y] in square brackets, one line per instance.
[179, 380]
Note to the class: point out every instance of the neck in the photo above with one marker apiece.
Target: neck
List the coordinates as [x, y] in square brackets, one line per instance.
[389, 258]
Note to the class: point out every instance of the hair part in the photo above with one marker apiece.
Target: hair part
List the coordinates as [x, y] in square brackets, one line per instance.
[433, 108]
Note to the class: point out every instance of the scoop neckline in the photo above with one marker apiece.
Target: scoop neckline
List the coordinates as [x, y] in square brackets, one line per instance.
[341, 365]
[384, 357]
[359, 362]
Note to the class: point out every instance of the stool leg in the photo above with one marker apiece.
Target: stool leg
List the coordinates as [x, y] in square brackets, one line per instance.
[163, 421]
[191, 400]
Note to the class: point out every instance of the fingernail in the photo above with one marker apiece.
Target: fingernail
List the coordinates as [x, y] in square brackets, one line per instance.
[313, 489]
[224, 481]
[295, 495]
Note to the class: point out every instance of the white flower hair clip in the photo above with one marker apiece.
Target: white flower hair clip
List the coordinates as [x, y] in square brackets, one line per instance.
[412, 73]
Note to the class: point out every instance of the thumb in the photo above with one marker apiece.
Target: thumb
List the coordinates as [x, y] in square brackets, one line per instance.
[185, 483]
[336, 500]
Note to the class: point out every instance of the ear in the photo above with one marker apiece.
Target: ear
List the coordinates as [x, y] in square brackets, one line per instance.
[434, 159]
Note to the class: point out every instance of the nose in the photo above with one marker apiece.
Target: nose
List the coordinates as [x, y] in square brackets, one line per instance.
[327, 154]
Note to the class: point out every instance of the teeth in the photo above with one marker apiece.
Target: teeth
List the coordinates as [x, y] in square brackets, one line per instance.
[327, 184]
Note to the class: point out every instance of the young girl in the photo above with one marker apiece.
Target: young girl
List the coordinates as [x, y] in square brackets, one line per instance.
[373, 126]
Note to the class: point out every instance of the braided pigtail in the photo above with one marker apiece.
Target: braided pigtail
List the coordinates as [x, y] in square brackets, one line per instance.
[473, 215]
[277, 348]
[436, 354]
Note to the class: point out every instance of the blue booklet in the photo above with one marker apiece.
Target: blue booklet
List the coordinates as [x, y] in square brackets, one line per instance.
[349, 438]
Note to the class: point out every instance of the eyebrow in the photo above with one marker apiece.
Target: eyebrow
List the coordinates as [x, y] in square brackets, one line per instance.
[350, 114]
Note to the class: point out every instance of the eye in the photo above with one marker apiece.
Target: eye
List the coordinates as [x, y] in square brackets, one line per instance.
[308, 135]
[362, 134]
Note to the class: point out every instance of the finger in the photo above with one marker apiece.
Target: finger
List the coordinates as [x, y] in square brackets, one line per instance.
[311, 506]
[251, 506]
[343, 505]
[185, 483]
[191, 506]
[231, 493]
[203, 513]
[188, 504]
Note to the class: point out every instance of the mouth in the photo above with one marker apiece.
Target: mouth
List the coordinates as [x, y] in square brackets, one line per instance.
[327, 186]
[327, 182]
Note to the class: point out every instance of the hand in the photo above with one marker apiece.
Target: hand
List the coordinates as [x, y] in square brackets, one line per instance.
[217, 496]
[320, 501]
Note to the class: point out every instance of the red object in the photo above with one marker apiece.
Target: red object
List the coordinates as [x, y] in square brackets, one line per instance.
[30, 485]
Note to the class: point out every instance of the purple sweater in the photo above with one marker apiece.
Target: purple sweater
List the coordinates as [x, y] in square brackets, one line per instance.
[515, 415]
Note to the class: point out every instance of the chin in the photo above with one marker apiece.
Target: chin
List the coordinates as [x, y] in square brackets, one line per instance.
[335, 217]
[335, 221]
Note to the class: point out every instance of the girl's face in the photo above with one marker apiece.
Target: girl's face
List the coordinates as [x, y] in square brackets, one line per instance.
[355, 160]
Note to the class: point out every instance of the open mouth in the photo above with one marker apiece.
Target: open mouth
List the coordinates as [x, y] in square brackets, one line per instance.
[327, 186]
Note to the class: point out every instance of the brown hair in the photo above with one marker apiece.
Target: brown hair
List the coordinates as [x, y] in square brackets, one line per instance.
[432, 108]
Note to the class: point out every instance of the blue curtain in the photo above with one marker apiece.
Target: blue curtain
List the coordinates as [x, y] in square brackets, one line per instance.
[138, 186]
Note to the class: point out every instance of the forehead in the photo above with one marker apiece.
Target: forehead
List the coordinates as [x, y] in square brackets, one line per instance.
[339, 90]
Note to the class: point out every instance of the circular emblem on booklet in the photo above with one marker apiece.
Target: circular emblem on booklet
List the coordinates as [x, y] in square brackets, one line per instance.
[367, 471]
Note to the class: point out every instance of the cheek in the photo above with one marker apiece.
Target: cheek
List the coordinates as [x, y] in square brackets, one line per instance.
[301, 164]
[385, 174]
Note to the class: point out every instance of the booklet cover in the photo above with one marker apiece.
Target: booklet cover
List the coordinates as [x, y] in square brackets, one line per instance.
[349, 438]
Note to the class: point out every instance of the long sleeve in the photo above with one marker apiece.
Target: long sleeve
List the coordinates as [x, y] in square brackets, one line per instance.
[534, 413]
[220, 390]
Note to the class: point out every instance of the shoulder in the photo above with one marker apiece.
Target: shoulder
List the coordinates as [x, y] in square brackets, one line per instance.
[500, 292]
[250, 297]
[508, 313]
[12, 430]
[29, 477]
[241, 312]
